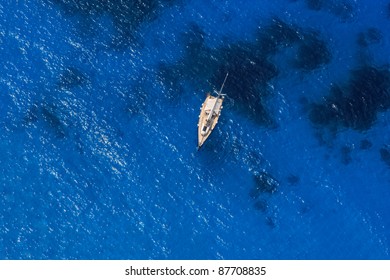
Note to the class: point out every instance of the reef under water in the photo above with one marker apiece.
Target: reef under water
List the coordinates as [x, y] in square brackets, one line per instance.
[356, 104]
[344, 10]
[371, 36]
[385, 154]
[99, 110]
[71, 77]
[249, 64]
[127, 15]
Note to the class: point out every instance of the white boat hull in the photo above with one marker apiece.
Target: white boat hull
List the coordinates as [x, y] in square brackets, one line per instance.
[208, 118]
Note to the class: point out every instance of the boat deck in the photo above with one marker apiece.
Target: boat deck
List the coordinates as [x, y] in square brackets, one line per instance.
[214, 104]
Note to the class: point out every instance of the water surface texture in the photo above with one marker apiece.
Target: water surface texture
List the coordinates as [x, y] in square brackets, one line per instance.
[99, 103]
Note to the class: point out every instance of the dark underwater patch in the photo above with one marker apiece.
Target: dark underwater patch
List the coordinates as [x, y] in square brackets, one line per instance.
[197, 64]
[370, 36]
[197, 53]
[385, 154]
[365, 144]
[304, 208]
[388, 10]
[31, 115]
[261, 205]
[343, 9]
[71, 77]
[264, 183]
[137, 101]
[171, 78]
[356, 104]
[50, 116]
[248, 64]
[293, 179]
[254, 160]
[346, 152]
[312, 50]
[278, 34]
[315, 4]
[127, 15]
[248, 74]
[312, 53]
[269, 221]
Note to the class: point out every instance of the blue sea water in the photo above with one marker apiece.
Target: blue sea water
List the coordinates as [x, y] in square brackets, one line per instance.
[99, 102]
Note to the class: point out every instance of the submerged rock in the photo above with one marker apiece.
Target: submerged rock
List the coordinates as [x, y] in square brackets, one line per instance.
[127, 15]
[270, 222]
[369, 37]
[71, 77]
[277, 35]
[53, 120]
[265, 183]
[312, 53]
[357, 104]
[343, 9]
[261, 205]
[293, 179]
[365, 144]
[249, 64]
[385, 154]
[315, 4]
[32, 115]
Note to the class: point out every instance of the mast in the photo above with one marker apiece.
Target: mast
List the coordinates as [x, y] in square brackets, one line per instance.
[215, 104]
[223, 84]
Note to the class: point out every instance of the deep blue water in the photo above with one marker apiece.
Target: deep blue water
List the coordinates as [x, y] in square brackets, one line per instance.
[99, 103]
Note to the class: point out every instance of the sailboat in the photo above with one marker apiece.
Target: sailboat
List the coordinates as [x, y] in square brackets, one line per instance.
[209, 114]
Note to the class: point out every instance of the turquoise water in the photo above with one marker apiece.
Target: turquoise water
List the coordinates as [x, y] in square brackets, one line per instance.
[99, 105]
